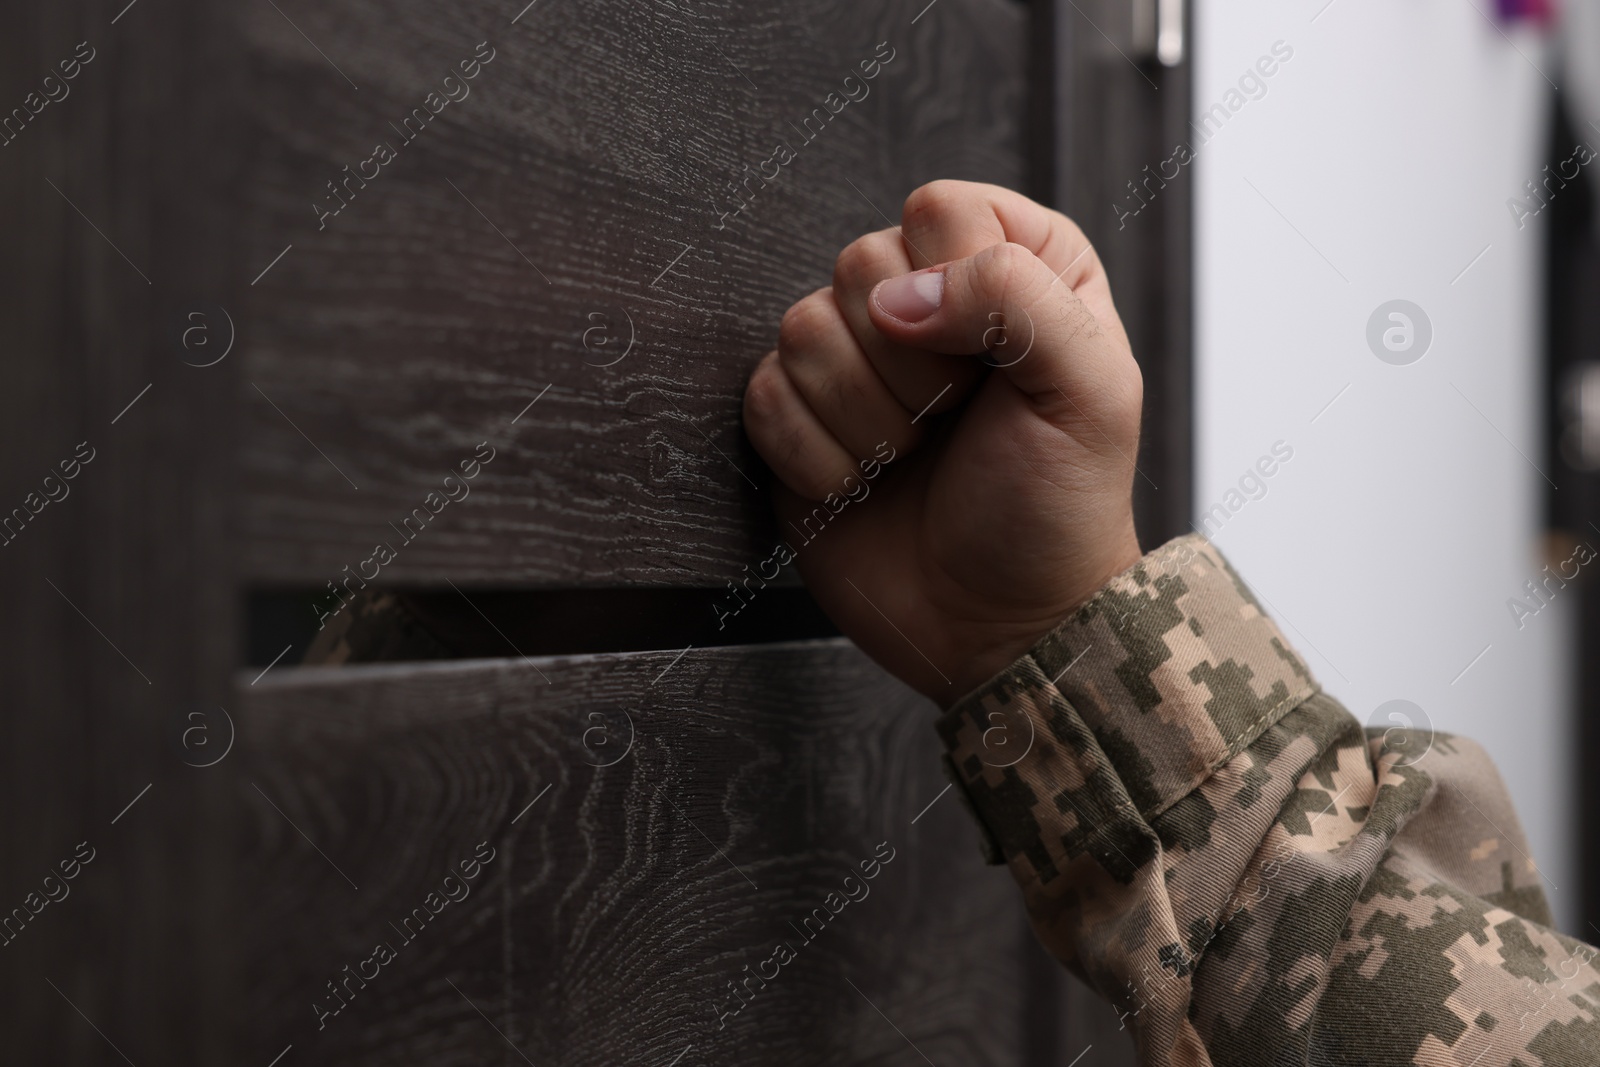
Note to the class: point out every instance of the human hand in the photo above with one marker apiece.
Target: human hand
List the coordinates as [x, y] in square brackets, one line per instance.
[1009, 502]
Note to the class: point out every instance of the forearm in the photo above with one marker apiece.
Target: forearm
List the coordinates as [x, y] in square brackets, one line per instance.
[1219, 849]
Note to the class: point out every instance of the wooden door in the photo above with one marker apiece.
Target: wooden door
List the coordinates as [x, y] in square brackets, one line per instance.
[571, 268]
[478, 288]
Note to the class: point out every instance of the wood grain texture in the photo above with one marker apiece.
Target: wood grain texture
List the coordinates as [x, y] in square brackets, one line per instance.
[585, 173]
[623, 901]
[118, 595]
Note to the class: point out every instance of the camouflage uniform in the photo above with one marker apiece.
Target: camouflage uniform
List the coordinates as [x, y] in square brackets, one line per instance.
[1251, 877]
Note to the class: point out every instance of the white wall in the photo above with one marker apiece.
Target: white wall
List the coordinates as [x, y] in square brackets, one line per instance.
[1388, 545]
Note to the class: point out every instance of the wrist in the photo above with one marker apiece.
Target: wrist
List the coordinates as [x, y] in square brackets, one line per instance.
[987, 650]
[979, 668]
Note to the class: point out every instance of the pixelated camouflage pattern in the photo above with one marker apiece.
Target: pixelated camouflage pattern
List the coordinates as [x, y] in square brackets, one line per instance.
[1252, 878]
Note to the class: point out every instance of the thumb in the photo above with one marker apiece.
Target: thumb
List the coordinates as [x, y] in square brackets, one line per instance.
[1005, 303]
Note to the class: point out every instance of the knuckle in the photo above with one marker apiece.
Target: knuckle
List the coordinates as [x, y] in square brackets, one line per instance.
[866, 261]
[849, 402]
[1011, 258]
[1004, 272]
[781, 433]
[1071, 230]
[763, 395]
[807, 323]
[935, 203]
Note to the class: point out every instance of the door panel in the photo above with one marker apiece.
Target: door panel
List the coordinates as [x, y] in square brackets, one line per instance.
[117, 592]
[623, 899]
[579, 197]
[1118, 148]
[520, 237]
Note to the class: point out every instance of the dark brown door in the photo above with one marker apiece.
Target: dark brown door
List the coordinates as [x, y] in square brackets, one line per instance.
[459, 302]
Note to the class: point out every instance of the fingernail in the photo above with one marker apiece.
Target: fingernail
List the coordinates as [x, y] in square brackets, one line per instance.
[911, 297]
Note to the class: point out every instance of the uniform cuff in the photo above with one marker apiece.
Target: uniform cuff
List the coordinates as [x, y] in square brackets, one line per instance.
[1122, 710]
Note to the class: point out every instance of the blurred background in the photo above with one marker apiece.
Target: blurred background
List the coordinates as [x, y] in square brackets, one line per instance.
[1405, 154]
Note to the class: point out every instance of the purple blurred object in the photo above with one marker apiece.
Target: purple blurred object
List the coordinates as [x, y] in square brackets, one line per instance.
[1540, 11]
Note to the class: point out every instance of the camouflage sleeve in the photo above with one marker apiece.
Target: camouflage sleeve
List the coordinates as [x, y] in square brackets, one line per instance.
[1222, 850]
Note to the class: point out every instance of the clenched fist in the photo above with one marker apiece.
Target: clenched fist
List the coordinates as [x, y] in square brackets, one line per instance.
[977, 344]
